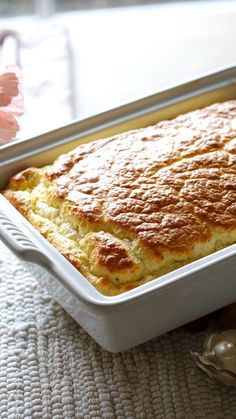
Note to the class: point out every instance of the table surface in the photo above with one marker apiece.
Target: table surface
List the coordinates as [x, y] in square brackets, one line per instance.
[124, 54]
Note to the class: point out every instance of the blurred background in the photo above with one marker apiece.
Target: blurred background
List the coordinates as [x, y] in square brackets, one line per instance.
[16, 7]
[81, 57]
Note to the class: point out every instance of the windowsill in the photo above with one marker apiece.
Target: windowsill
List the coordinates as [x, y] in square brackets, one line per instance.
[123, 54]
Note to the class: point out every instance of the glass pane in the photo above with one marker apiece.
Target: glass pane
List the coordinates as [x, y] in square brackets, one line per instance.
[16, 7]
[63, 5]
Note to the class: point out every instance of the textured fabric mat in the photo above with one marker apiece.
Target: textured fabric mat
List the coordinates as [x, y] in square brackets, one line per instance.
[50, 368]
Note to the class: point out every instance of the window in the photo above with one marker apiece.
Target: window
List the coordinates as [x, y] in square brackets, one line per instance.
[47, 7]
[16, 7]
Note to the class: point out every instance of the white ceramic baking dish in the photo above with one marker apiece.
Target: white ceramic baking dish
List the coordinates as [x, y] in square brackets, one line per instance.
[121, 322]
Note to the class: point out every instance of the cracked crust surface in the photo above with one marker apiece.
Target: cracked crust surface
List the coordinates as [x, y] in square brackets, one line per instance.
[127, 209]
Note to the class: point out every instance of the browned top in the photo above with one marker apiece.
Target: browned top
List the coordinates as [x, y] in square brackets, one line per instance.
[167, 183]
[110, 254]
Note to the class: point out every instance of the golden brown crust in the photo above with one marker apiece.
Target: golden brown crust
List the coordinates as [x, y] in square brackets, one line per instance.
[140, 203]
[111, 255]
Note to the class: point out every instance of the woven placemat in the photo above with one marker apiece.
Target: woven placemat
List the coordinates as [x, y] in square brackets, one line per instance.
[51, 368]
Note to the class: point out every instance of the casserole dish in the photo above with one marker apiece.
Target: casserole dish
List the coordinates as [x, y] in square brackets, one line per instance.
[120, 322]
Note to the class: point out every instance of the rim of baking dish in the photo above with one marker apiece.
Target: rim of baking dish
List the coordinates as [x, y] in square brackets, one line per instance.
[74, 280]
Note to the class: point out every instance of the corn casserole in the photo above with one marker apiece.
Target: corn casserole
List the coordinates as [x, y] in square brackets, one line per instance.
[127, 209]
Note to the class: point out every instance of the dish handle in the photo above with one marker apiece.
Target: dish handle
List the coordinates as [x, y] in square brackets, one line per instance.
[19, 243]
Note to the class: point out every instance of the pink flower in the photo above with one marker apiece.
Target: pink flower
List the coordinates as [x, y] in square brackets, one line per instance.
[11, 103]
